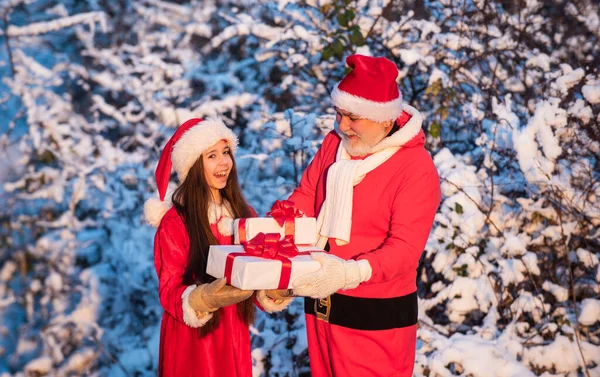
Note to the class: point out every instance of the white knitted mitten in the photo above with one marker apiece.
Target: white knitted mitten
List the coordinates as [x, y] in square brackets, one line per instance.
[334, 274]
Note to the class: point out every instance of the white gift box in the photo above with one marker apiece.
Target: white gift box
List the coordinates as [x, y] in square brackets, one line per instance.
[305, 229]
[252, 273]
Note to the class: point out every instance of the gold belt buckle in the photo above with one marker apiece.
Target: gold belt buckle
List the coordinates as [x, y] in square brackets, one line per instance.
[325, 305]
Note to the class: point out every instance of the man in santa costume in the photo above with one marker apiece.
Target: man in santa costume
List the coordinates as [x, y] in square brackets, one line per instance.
[375, 191]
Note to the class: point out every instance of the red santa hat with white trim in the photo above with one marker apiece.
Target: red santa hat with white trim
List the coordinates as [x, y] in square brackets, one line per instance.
[369, 90]
[180, 153]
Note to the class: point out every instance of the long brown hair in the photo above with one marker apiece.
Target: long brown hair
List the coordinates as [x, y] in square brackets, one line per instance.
[191, 200]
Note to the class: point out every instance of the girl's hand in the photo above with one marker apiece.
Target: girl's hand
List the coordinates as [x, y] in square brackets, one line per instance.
[207, 298]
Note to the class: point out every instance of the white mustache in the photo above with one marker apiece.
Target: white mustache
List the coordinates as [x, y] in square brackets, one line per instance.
[346, 135]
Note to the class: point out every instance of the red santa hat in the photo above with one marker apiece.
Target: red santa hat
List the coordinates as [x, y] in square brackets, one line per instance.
[181, 152]
[369, 90]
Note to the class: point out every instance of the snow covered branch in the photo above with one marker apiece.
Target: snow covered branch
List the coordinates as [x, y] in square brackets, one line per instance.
[37, 28]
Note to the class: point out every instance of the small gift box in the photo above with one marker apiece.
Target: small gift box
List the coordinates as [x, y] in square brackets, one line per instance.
[285, 219]
[265, 262]
[305, 232]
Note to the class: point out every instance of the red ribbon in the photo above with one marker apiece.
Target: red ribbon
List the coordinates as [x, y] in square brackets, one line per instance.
[285, 213]
[268, 246]
[242, 231]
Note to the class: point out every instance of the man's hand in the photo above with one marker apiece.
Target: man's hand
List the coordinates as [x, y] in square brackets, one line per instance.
[279, 294]
[334, 274]
[274, 300]
[207, 298]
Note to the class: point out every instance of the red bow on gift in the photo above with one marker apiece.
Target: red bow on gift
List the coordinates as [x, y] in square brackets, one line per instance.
[268, 246]
[285, 213]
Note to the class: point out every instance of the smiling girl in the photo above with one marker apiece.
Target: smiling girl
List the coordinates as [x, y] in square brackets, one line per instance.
[204, 329]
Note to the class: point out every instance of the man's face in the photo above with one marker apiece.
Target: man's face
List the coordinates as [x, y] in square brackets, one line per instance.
[360, 135]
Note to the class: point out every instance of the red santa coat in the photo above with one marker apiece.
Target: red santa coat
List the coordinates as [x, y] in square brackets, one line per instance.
[393, 209]
[223, 352]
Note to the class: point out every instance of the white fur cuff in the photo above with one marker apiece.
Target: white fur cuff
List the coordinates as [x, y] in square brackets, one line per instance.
[190, 317]
[270, 305]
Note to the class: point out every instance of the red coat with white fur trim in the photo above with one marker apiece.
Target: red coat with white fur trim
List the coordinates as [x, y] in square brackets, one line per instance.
[393, 208]
[392, 214]
[223, 352]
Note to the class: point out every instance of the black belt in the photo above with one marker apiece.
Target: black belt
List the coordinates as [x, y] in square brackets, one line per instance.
[365, 313]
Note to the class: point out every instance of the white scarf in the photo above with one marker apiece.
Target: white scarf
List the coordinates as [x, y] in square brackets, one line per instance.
[335, 217]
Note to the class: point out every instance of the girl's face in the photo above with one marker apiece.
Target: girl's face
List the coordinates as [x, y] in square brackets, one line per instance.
[217, 166]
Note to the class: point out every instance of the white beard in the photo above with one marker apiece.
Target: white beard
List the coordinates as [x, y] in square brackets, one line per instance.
[362, 149]
[356, 151]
